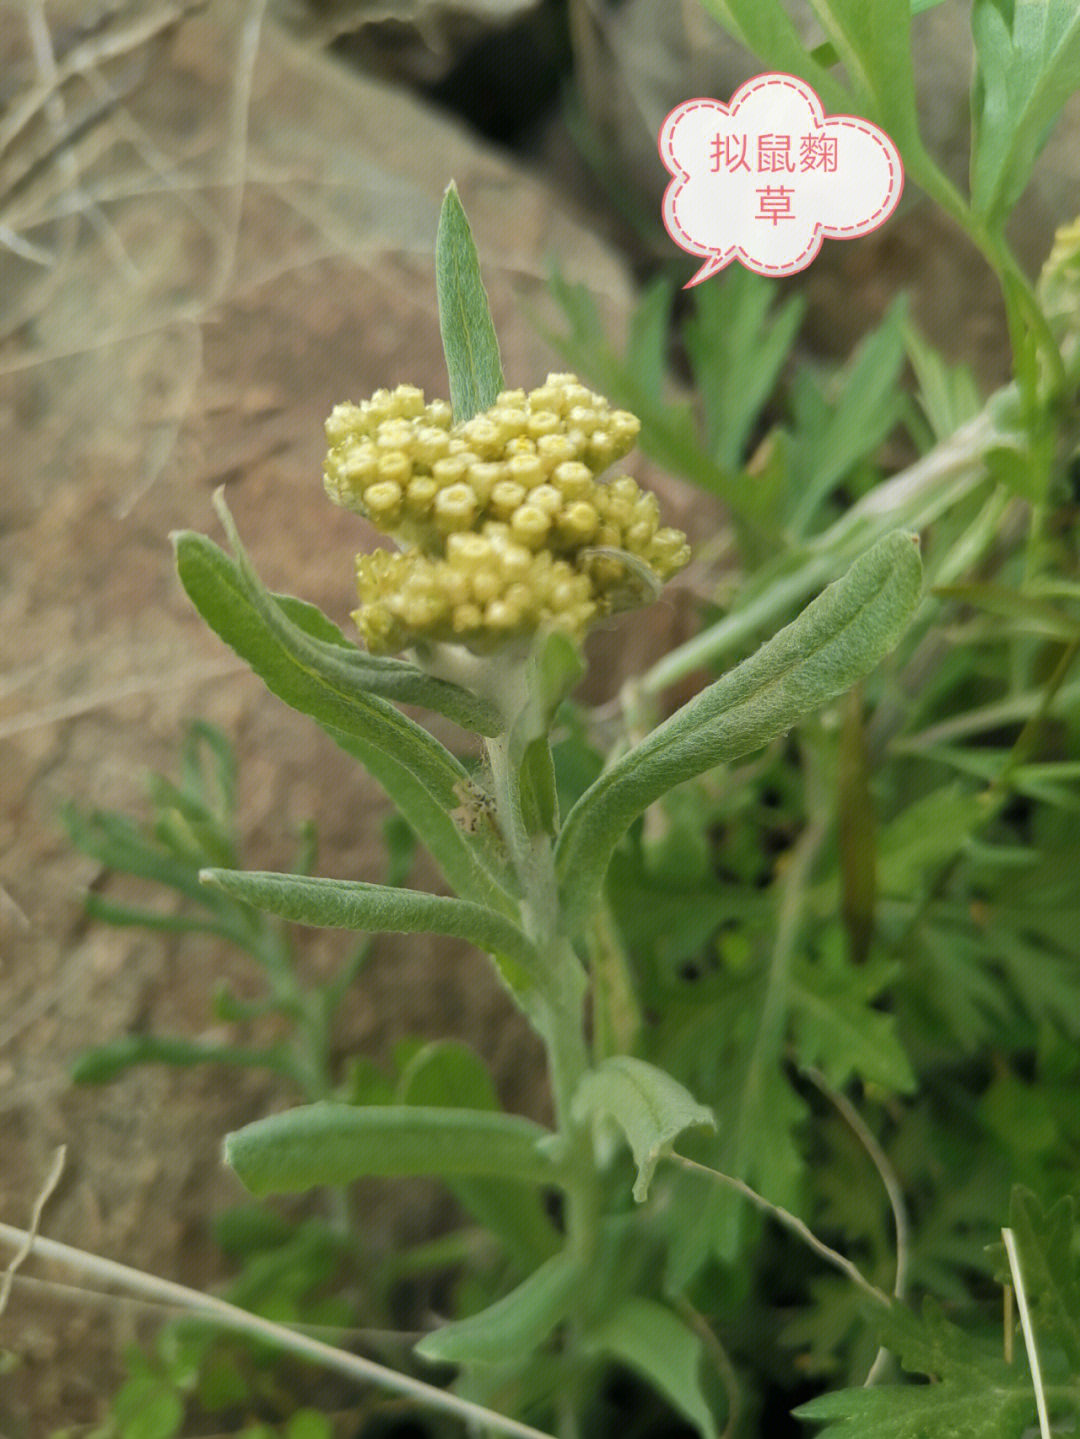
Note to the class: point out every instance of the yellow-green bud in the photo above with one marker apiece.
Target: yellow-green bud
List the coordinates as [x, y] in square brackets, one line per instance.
[505, 519]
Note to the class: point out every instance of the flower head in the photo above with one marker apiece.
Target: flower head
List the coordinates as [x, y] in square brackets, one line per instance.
[504, 523]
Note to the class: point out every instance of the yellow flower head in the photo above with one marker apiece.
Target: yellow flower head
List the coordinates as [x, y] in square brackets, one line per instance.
[503, 522]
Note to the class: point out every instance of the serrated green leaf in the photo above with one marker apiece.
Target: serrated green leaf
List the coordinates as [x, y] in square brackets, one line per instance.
[353, 904]
[328, 1143]
[738, 340]
[468, 334]
[975, 1394]
[650, 1108]
[838, 638]
[838, 1029]
[1028, 58]
[649, 1338]
[515, 1325]
[1046, 1244]
[417, 771]
[834, 434]
[932, 829]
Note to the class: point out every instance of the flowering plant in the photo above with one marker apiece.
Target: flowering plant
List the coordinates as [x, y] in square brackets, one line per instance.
[513, 540]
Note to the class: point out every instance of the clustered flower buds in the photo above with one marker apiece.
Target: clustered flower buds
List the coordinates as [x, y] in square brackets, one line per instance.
[504, 523]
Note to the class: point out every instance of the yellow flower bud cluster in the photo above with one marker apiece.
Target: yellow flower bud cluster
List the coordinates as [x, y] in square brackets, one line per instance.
[504, 522]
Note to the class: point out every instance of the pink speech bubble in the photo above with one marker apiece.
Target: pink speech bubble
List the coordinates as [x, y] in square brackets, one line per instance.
[764, 179]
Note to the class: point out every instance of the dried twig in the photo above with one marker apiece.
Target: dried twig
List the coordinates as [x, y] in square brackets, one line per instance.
[52, 1179]
[353, 1366]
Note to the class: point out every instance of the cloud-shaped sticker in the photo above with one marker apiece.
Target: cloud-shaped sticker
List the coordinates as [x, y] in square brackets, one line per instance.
[765, 178]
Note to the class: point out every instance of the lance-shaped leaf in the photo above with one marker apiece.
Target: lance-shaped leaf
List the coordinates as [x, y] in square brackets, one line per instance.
[352, 904]
[648, 1337]
[650, 1108]
[835, 641]
[417, 772]
[468, 334]
[109, 1061]
[448, 1075]
[336, 1143]
[515, 1325]
[874, 42]
[340, 662]
[1028, 54]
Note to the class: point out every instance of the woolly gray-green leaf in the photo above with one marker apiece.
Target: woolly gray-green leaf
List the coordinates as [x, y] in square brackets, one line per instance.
[416, 770]
[468, 334]
[834, 642]
[336, 659]
[352, 904]
[650, 1108]
[329, 1143]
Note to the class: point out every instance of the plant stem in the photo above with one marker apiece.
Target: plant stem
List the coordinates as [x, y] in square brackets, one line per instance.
[352, 1366]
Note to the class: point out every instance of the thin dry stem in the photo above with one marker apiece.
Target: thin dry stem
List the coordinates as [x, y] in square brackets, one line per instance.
[1029, 1333]
[865, 1135]
[52, 1179]
[353, 1366]
[793, 1223]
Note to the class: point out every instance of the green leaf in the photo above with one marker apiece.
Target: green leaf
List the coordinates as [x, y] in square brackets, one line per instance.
[309, 1424]
[149, 1408]
[515, 1325]
[468, 334]
[353, 904]
[976, 1395]
[336, 657]
[649, 1338]
[948, 393]
[336, 1143]
[874, 42]
[835, 641]
[738, 340]
[930, 831]
[107, 1062]
[1029, 613]
[447, 1074]
[765, 27]
[868, 406]
[1028, 58]
[1046, 1245]
[417, 771]
[650, 1108]
[837, 1027]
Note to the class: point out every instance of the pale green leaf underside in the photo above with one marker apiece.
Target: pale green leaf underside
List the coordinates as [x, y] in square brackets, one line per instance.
[337, 1143]
[650, 1108]
[468, 334]
[515, 1325]
[837, 639]
[353, 904]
